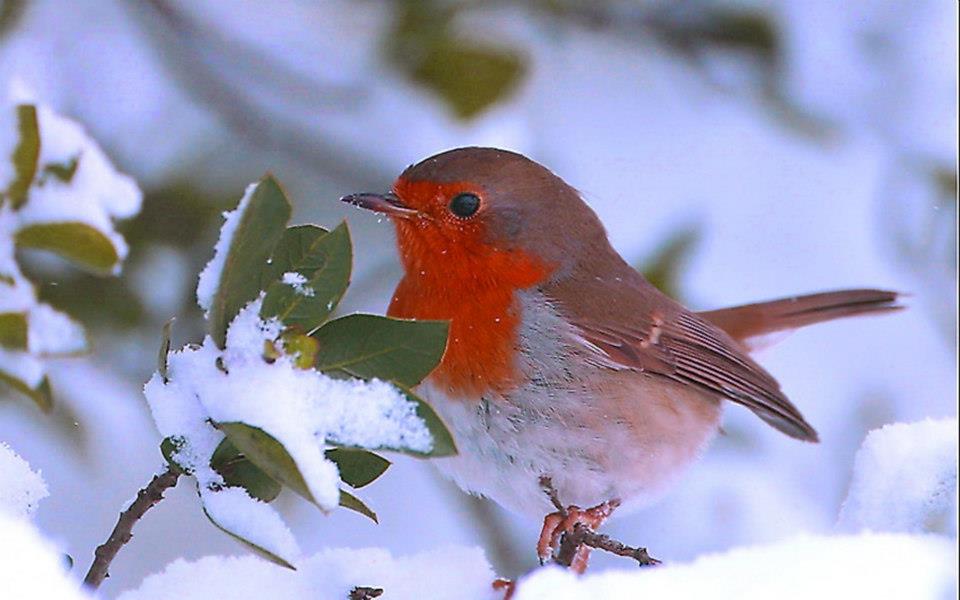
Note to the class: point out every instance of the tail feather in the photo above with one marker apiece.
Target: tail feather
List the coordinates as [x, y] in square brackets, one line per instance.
[750, 322]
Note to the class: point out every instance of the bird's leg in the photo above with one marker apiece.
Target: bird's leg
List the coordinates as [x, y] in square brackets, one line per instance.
[507, 586]
[564, 521]
[589, 519]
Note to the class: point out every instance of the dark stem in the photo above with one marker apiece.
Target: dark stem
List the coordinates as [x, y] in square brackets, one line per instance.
[584, 536]
[365, 593]
[146, 499]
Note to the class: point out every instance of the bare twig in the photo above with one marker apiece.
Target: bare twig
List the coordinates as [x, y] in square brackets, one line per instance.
[146, 499]
[584, 536]
[365, 593]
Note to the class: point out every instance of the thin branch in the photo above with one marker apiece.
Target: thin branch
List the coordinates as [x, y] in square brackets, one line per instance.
[365, 593]
[584, 536]
[146, 499]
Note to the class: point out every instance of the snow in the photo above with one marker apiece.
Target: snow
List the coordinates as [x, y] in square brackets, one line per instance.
[53, 332]
[30, 566]
[8, 143]
[447, 573]
[862, 566]
[97, 192]
[22, 366]
[905, 480]
[21, 488]
[210, 276]
[313, 408]
[300, 408]
[781, 213]
[95, 195]
[297, 281]
[256, 522]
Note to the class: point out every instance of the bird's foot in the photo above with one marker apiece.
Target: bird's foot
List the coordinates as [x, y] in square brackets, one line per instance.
[565, 521]
[507, 586]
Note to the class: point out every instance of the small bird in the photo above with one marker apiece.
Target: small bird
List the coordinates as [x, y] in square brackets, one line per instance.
[563, 364]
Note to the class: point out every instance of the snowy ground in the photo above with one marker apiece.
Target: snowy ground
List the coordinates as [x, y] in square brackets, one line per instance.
[652, 146]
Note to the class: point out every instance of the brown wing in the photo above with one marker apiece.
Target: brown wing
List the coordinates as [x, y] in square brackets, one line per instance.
[686, 348]
[751, 321]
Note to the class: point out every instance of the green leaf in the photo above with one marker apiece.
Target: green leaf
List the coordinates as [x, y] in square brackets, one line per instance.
[62, 171]
[264, 451]
[259, 229]
[164, 349]
[294, 244]
[369, 346]
[324, 261]
[238, 471]
[13, 331]
[357, 467]
[169, 447]
[467, 74]
[79, 243]
[258, 550]
[25, 155]
[41, 395]
[351, 502]
[443, 444]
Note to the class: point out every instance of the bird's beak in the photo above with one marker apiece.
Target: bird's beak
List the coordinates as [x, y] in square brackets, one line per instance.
[388, 204]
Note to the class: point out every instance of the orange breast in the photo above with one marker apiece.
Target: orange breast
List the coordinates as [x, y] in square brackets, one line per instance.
[475, 289]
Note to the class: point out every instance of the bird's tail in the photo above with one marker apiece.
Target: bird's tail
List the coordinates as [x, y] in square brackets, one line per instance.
[750, 323]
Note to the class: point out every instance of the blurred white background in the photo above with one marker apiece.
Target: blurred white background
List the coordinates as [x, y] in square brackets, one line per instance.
[802, 146]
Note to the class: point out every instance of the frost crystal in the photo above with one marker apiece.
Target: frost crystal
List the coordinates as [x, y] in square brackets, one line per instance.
[297, 281]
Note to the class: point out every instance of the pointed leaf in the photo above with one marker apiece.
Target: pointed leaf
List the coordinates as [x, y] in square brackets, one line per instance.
[294, 244]
[264, 451]
[169, 447]
[25, 155]
[258, 550]
[351, 502]
[238, 471]
[369, 346]
[79, 243]
[42, 395]
[443, 444]
[13, 331]
[320, 267]
[164, 349]
[357, 467]
[259, 229]
[62, 171]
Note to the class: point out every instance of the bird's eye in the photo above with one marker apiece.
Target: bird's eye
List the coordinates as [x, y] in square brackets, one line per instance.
[465, 205]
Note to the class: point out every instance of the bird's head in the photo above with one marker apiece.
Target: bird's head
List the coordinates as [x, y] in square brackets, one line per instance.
[486, 214]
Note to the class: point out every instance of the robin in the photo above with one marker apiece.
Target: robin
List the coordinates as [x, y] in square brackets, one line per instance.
[563, 364]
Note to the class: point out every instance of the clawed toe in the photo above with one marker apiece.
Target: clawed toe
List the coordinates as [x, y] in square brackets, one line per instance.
[556, 524]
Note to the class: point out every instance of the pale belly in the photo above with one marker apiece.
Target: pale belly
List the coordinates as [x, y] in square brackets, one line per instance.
[598, 433]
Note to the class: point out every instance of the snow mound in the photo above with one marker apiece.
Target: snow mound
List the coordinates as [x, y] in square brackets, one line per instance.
[30, 567]
[863, 566]
[451, 573]
[905, 480]
[20, 487]
[302, 409]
